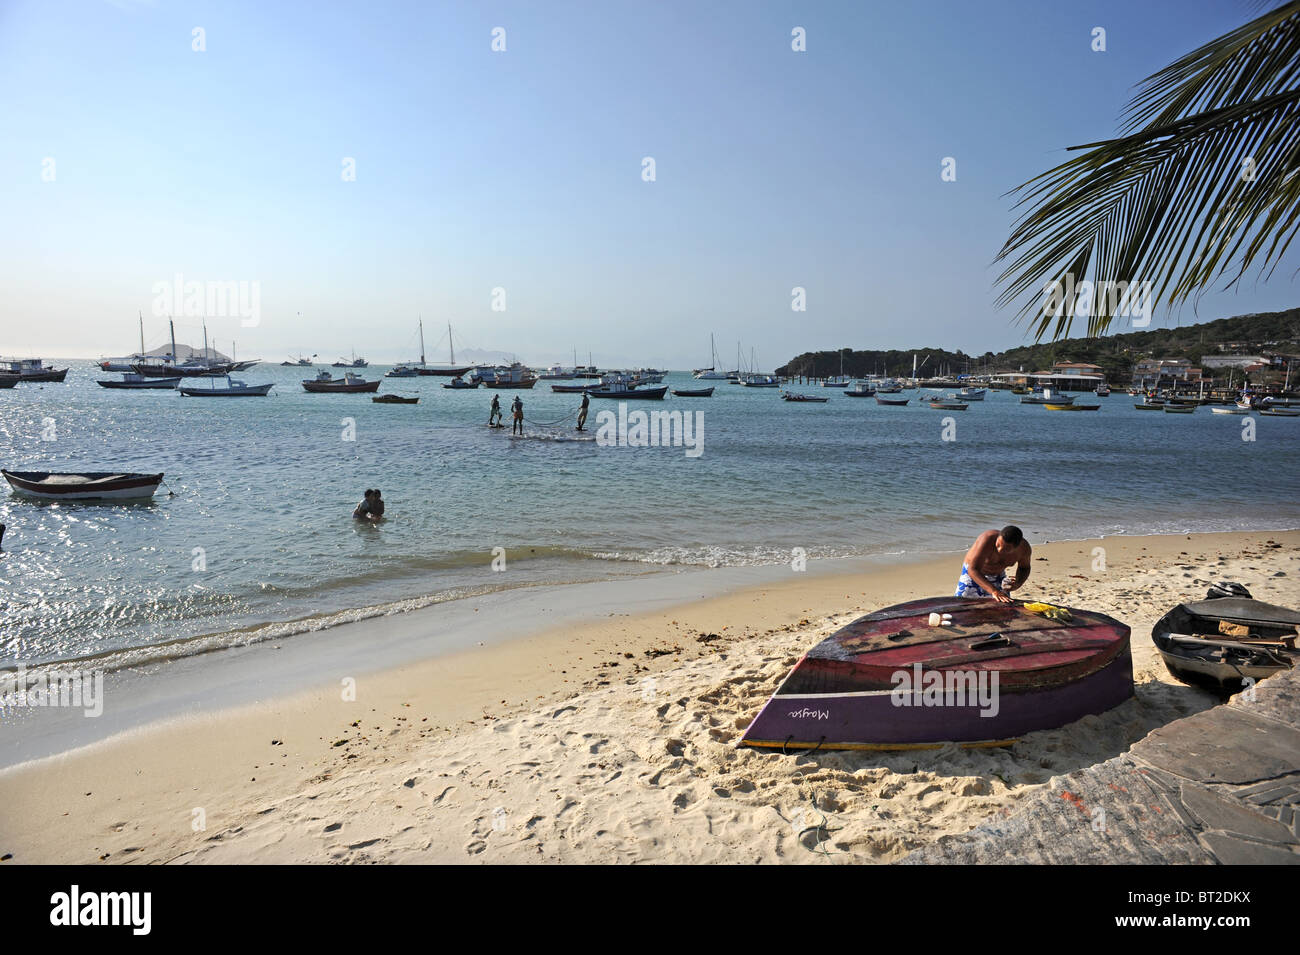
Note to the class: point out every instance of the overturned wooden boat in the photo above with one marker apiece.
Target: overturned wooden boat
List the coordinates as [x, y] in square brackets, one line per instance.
[83, 486]
[894, 680]
[394, 400]
[1220, 643]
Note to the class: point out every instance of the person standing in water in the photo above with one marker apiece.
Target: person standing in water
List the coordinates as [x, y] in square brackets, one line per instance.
[517, 406]
[494, 416]
[582, 412]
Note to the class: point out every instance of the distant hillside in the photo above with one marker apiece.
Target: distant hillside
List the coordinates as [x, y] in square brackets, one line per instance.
[1116, 354]
[186, 352]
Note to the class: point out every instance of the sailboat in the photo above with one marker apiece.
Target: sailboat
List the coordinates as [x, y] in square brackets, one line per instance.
[124, 364]
[410, 369]
[711, 373]
[193, 368]
[451, 369]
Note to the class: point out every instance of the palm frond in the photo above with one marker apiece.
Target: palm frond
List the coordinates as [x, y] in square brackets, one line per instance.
[1203, 183]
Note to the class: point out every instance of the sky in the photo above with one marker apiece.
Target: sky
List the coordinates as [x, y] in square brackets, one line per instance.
[148, 147]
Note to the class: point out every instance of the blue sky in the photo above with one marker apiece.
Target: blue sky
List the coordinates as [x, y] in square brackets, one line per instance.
[522, 169]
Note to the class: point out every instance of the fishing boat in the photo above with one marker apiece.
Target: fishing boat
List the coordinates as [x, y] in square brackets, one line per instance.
[458, 383]
[1102, 390]
[350, 383]
[1148, 406]
[402, 371]
[299, 362]
[1045, 397]
[517, 376]
[83, 486]
[761, 381]
[796, 397]
[233, 389]
[451, 369]
[394, 400]
[860, 390]
[1219, 643]
[949, 403]
[694, 392]
[882, 400]
[893, 680]
[652, 393]
[972, 394]
[354, 363]
[132, 380]
[1173, 408]
[1071, 407]
[30, 369]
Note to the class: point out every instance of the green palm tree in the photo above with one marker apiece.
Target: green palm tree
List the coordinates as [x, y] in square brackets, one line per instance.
[1202, 183]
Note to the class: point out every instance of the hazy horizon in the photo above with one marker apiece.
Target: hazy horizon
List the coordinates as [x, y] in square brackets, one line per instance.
[517, 177]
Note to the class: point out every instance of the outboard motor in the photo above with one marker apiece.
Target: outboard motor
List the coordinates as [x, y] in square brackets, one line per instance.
[1226, 588]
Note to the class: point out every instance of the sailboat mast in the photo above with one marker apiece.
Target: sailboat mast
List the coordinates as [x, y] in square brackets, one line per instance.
[205, 341]
[451, 345]
[172, 324]
[421, 340]
[141, 314]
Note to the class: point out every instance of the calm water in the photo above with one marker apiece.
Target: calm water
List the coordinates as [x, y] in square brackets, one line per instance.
[265, 488]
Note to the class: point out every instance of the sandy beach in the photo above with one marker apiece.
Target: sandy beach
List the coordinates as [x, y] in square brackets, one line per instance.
[611, 740]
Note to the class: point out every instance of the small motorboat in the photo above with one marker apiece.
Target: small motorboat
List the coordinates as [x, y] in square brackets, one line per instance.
[132, 380]
[1148, 406]
[949, 403]
[324, 382]
[690, 392]
[1280, 412]
[1052, 406]
[83, 486]
[1219, 643]
[233, 389]
[1230, 409]
[403, 371]
[794, 396]
[984, 676]
[1046, 398]
[1102, 390]
[579, 389]
[972, 394]
[457, 383]
[1171, 408]
[861, 390]
[394, 400]
[882, 400]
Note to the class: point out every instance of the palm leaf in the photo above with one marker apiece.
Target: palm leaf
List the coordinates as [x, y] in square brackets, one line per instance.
[1202, 184]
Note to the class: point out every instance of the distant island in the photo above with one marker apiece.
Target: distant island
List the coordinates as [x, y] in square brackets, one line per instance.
[1269, 335]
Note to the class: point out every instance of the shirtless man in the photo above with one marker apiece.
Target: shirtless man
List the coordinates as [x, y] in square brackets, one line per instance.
[984, 571]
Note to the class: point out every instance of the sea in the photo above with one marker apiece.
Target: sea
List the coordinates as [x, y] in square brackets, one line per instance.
[251, 537]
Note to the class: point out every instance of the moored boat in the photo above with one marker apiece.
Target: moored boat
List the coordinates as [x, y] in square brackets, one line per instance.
[1050, 406]
[517, 376]
[860, 390]
[233, 389]
[1280, 412]
[83, 486]
[948, 403]
[1171, 408]
[30, 369]
[132, 380]
[799, 398]
[891, 680]
[458, 383]
[972, 394]
[324, 382]
[1231, 409]
[882, 400]
[395, 400]
[693, 392]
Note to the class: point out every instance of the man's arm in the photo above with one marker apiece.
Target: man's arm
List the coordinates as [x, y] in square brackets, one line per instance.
[972, 561]
[1024, 564]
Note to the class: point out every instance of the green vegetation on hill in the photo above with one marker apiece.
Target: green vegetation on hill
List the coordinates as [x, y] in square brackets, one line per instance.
[1116, 354]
